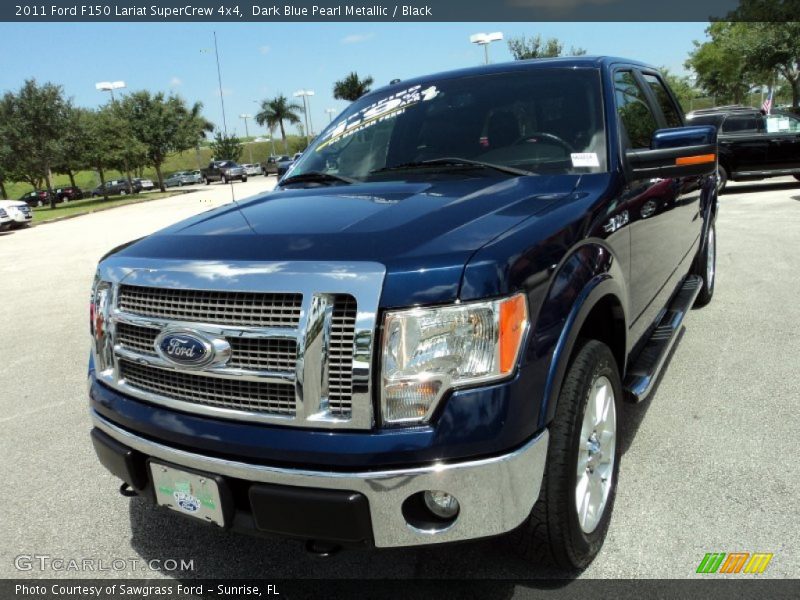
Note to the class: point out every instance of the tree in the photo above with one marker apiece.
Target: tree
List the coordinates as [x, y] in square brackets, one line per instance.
[351, 88]
[741, 55]
[226, 147]
[162, 124]
[523, 48]
[34, 122]
[277, 110]
[72, 145]
[773, 48]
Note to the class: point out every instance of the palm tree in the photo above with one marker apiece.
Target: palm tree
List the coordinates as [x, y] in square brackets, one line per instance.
[351, 88]
[275, 112]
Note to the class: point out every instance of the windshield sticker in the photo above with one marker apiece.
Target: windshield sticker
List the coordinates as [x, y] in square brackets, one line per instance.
[584, 159]
[380, 110]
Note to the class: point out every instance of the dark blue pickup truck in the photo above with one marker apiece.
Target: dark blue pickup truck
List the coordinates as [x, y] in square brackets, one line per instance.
[425, 332]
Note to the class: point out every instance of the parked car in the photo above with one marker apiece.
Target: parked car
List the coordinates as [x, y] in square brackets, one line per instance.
[5, 220]
[426, 332]
[65, 194]
[36, 198]
[252, 169]
[270, 166]
[753, 145]
[223, 171]
[177, 179]
[18, 211]
[142, 185]
[114, 187]
[284, 165]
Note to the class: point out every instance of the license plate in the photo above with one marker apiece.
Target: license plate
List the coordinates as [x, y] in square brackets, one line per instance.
[187, 493]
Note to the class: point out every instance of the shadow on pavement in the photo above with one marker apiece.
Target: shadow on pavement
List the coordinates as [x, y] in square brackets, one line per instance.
[485, 569]
[760, 186]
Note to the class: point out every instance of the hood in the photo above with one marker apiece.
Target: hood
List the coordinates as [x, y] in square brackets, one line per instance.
[429, 228]
[13, 204]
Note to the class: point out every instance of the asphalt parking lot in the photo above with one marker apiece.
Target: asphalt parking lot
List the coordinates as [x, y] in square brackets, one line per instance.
[709, 462]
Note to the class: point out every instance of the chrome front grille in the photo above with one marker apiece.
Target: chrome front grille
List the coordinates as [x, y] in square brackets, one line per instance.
[340, 356]
[255, 354]
[230, 394]
[289, 343]
[211, 306]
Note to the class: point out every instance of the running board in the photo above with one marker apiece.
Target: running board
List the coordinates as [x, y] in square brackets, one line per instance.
[642, 375]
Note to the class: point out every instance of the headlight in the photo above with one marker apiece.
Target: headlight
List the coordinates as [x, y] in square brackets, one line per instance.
[427, 351]
[99, 309]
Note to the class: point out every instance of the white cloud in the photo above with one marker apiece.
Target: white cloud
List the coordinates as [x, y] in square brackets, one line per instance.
[357, 38]
[175, 82]
[264, 49]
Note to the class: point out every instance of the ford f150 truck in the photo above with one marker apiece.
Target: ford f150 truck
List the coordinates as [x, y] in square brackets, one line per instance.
[223, 171]
[425, 332]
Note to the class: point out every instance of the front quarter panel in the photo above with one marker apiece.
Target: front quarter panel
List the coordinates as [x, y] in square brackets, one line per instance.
[565, 260]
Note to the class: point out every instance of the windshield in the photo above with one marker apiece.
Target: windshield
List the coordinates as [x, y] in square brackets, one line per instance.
[541, 121]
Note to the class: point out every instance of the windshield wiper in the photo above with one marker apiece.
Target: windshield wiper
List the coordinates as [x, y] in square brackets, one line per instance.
[317, 177]
[452, 161]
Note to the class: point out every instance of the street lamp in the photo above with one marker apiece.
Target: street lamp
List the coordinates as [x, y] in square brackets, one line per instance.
[484, 39]
[109, 86]
[245, 116]
[306, 108]
[331, 112]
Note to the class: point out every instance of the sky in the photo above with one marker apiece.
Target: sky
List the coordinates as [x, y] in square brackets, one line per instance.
[260, 60]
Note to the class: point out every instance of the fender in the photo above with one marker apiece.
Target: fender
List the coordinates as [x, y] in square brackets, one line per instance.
[585, 277]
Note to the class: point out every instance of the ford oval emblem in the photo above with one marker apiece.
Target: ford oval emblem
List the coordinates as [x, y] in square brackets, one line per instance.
[190, 349]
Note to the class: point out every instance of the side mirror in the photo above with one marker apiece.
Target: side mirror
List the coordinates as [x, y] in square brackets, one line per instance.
[678, 152]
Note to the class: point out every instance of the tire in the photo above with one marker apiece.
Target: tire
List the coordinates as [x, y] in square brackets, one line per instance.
[722, 178]
[244, 179]
[207, 181]
[797, 177]
[705, 265]
[555, 532]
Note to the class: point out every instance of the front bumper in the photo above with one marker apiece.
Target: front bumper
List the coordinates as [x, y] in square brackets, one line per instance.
[495, 494]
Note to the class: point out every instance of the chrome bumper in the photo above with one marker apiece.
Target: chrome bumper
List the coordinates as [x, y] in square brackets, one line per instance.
[495, 494]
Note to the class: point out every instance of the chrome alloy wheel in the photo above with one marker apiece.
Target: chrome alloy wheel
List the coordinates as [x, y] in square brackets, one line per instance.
[596, 454]
[711, 256]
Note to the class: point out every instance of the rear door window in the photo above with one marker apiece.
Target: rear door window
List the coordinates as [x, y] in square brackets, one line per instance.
[671, 114]
[743, 124]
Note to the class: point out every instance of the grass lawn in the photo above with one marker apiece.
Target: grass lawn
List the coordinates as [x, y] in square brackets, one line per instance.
[87, 205]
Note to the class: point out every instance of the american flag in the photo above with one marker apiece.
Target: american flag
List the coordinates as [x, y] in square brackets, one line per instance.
[767, 106]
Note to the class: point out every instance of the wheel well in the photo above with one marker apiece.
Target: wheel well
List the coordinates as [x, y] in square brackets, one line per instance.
[606, 323]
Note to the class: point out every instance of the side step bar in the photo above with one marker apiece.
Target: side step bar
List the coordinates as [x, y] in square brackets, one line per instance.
[643, 374]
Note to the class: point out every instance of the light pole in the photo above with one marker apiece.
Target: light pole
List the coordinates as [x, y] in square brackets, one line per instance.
[331, 112]
[245, 116]
[110, 86]
[306, 107]
[484, 39]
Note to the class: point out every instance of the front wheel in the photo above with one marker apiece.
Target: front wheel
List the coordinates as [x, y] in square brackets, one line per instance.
[244, 179]
[705, 265]
[569, 521]
[208, 181]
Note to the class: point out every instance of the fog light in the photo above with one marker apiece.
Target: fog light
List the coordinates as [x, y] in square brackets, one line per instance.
[441, 504]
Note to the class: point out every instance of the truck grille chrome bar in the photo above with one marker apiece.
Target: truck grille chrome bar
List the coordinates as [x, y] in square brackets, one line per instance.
[299, 358]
